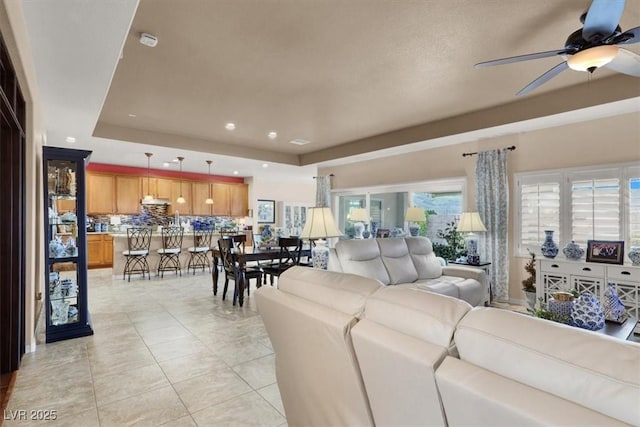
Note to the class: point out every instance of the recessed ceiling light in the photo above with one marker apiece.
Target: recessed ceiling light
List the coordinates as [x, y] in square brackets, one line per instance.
[299, 141]
[166, 164]
[272, 135]
[236, 172]
[132, 115]
[70, 139]
[230, 126]
[265, 165]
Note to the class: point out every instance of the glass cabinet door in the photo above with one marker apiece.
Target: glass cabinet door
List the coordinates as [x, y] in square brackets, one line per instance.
[66, 276]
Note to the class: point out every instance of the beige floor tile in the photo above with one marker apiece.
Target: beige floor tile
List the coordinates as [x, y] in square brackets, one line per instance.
[147, 409]
[271, 394]
[171, 333]
[187, 421]
[190, 366]
[210, 389]
[110, 363]
[121, 385]
[240, 351]
[246, 410]
[177, 348]
[258, 373]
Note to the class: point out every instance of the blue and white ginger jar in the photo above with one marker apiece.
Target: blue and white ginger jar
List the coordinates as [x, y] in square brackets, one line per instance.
[573, 251]
[587, 312]
[634, 255]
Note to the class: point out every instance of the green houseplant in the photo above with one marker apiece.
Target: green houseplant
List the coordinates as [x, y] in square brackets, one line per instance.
[454, 247]
[529, 284]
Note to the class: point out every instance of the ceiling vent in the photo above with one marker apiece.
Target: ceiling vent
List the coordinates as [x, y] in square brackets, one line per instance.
[148, 39]
[299, 141]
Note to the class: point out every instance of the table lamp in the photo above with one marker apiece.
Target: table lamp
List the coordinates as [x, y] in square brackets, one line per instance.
[415, 215]
[319, 226]
[470, 222]
[360, 218]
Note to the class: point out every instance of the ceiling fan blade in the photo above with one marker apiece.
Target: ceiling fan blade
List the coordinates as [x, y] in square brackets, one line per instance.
[628, 37]
[521, 58]
[544, 78]
[626, 62]
[602, 19]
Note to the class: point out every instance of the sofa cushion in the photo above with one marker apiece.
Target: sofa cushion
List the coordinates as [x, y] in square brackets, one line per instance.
[589, 369]
[424, 259]
[396, 258]
[362, 257]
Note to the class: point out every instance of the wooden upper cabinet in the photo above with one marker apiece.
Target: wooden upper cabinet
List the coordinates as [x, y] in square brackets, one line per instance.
[101, 193]
[220, 193]
[200, 193]
[238, 199]
[183, 209]
[128, 194]
[160, 187]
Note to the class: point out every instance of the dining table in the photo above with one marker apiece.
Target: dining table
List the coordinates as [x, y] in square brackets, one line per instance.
[242, 257]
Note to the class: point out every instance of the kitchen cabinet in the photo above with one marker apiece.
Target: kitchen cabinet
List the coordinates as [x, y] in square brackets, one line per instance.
[200, 193]
[128, 194]
[178, 188]
[238, 199]
[99, 250]
[101, 193]
[65, 250]
[160, 187]
[220, 196]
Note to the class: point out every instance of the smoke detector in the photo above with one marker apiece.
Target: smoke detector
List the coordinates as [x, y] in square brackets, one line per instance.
[148, 39]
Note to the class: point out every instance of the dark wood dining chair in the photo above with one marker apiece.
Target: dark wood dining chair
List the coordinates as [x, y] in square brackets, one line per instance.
[290, 250]
[233, 271]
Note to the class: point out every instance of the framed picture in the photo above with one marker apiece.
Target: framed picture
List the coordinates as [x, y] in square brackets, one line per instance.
[607, 251]
[266, 211]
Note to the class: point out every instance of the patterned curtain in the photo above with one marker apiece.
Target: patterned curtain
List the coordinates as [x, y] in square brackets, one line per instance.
[323, 191]
[492, 202]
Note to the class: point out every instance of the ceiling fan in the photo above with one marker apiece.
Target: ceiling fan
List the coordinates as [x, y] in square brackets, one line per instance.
[593, 46]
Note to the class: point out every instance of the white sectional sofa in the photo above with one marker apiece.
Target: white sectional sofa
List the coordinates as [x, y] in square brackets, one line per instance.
[351, 351]
[409, 261]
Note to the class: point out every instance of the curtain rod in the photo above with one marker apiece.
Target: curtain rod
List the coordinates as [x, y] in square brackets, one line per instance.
[513, 147]
[329, 175]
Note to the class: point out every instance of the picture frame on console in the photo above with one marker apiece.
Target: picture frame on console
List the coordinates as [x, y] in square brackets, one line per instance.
[266, 211]
[605, 251]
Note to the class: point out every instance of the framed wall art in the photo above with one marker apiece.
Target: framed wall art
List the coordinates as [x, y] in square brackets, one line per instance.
[606, 251]
[266, 211]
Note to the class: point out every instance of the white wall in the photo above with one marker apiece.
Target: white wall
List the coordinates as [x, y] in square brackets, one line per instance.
[280, 190]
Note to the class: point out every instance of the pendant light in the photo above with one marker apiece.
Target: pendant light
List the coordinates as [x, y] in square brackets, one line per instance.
[181, 199]
[209, 200]
[148, 196]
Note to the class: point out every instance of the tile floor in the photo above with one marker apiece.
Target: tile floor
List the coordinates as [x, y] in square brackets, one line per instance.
[164, 352]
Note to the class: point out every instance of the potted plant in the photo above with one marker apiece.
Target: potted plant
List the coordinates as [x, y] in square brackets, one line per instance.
[529, 284]
[454, 247]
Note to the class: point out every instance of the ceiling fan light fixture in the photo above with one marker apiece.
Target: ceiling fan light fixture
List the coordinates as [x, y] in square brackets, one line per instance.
[593, 58]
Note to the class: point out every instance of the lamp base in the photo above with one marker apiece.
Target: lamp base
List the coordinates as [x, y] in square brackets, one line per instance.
[366, 233]
[473, 257]
[359, 229]
[320, 255]
[414, 231]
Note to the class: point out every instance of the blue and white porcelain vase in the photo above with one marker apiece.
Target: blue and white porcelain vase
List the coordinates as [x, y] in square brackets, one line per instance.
[587, 312]
[549, 248]
[634, 255]
[614, 310]
[573, 251]
[374, 229]
[561, 304]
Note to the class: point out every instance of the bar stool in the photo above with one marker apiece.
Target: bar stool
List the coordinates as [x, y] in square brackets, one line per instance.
[170, 251]
[138, 242]
[198, 253]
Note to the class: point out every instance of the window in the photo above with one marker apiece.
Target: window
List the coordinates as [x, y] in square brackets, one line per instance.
[578, 204]
[387, 205]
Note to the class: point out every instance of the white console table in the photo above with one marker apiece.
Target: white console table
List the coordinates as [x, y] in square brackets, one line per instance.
[564, 275]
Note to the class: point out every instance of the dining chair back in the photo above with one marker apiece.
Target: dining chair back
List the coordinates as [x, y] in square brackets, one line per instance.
[290, 249]
[233, 270]
[138, 243]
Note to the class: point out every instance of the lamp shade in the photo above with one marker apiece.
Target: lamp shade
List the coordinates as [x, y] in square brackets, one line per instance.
[359, 214]
[320, 224]
[592, 58]
[415, 215]
[470, 222]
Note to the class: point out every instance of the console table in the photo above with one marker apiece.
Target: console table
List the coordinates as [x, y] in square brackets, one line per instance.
[566, 275]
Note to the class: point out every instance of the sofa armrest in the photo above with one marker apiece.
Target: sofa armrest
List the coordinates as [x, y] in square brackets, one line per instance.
[466, 273]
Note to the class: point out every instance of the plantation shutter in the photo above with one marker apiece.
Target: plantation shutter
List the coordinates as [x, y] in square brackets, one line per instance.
[634, 208]
[539, 210]
[595, 209]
